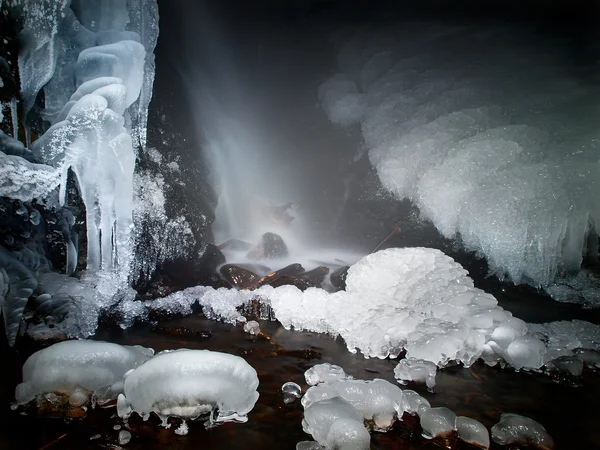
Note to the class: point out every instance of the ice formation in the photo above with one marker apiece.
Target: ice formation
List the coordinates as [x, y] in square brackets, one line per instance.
[291, 391]
[417, 299]
[321, 373]
[191, 383]
[496, 148]
[77, 368]
[335, 424]
[96, 68]
[412, 369]
[473, 432]
[437, 422]
[252, 328]
[514, 429]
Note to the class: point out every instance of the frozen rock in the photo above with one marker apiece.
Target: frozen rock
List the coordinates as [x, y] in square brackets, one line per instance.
[437, 422]
[77, 368]
[413, 403]
[472, 432]
[252, 328]
[191, 383]
[418, 370]
[377, 400]
[591, 358]
[335, 424]
[513, 429]
[569, 366]
[321, 373]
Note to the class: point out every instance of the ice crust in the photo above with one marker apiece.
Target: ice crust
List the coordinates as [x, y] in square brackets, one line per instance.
[514, 429]
[497, 148]
[77, 367]
[190, 383]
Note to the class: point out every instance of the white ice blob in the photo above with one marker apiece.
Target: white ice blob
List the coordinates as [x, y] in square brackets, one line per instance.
[190, 383]
[77, 368]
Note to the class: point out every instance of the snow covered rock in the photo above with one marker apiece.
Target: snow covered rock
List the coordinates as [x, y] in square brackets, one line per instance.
[77, 368]
[191, 383]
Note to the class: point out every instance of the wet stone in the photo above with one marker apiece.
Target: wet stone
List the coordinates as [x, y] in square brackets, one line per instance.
[317, 275]
[239, 277]
[338, 278]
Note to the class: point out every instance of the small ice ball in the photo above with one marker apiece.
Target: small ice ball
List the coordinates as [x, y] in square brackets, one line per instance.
[413, 403]
[124, 437]
[291, 391]
[320, 373]
[252, 327]
[437, 422]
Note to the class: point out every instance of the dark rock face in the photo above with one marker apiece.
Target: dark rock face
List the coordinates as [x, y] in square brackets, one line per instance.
[338, 278]
[271, 246]
[175, 200]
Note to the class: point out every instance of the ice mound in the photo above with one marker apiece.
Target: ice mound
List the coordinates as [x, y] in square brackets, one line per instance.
[413, 298]
[472, 432]
[514, 429]
[413, 403]
[377, 400]
[335, 424]
[497, 148]
[412, 369]
[191, 383]
[437, 422]
[77, 368]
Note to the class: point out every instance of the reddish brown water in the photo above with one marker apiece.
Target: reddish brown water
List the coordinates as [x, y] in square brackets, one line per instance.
[481, 392]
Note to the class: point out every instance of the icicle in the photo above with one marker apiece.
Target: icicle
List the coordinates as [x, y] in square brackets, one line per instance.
[15, 118]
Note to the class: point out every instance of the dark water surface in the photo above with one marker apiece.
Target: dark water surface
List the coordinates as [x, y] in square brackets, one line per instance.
[570, 414]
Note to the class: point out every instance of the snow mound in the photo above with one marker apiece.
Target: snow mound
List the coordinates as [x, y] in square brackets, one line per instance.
[191, 383]
[77, 367]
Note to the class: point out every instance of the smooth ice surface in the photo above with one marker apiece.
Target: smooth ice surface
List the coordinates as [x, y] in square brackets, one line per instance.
[190, 383]
[335, 424]
[414, 403]
[412, 369]
[437, 422]
[473, 432]
[321, 373]
[497, 146]
[69, 366]
[514, 429]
